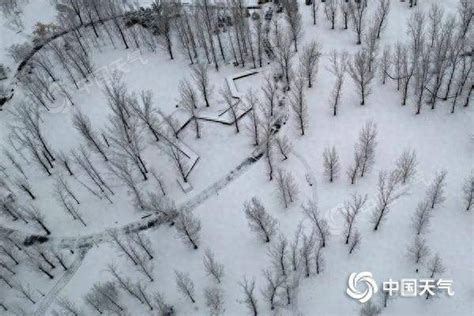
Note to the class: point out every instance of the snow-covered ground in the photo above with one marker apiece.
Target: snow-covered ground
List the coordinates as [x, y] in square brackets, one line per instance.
[443, 141]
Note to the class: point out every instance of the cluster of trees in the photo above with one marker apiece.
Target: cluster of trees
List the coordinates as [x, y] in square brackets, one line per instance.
[46, 262]
[136, 247]
[133, 125]
[435, 64]
[61, 57]
[303, 256]
[364, 156]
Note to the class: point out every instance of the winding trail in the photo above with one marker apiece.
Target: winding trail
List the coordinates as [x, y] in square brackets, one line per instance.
[155, 219]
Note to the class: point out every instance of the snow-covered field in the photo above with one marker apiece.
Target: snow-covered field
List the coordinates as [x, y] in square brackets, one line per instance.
[225, 178]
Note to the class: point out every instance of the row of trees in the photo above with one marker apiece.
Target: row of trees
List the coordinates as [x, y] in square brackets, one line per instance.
[435, 58]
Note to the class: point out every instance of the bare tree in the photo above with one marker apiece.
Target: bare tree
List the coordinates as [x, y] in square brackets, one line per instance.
[442, 45]
[26, 292]
[387, 194]
[35, 215]
[159, 180]
[306, 252]
[357, 12]
[291, 285]
[68, 307]
[287, 187]
[214, 300]
[212, 267]
[284, 56]
[179, 159]
[185, 285]
[188, 228]
[319, 258]
[418, 252]
[435, 192]
[144, 265]
[14, 162]
[122, 169]
[294, 251]
[5, 279]
[144, 112]
[269, 89]
[171, 123]
[142, 290]
[350, 211]
[355, 166]
[366, 146]
[63, 198]
[284, 146]
[354, 241]
[163, 206]
[106, 296]
[310, 209]
[94, 301]
[361, 74]
[331, 163]
[29, 123]
[259, 220]
[468, 191]
[268, 140]
[66, 161]
[165, 13]
[189, 103]
[330, 10]
[314, 11]
[24, 185]
[454, 58]
[386, 62]
[435, 18]
[201, 78]
[164, 308]
[309, 61]
[371, 46]
[278, 254]
[9, 252]
[463, 83]
[299, 106]
[421, 218]
[274, 282]
[62, 184]
[82, 158]
[232, 105]
[143, 242]
[406, 165]
[124, 283]
[422, 75]
[381, 14]
[294, 20]
[416, 29]
[249, 299]
[435, 266]
[338, 68]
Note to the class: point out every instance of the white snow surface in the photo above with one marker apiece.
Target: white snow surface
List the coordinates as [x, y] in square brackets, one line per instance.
[442, 141]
